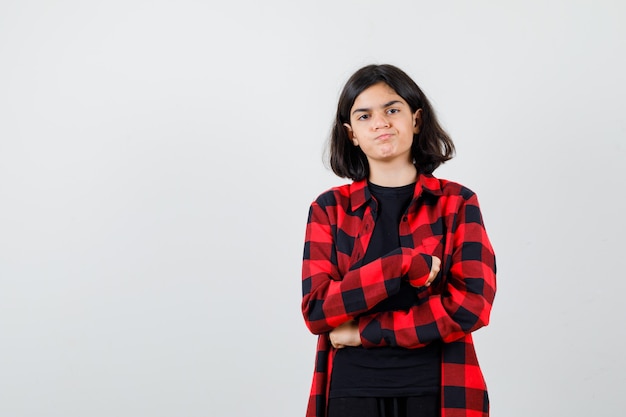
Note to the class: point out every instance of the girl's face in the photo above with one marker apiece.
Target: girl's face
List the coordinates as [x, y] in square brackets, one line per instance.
[382, 125]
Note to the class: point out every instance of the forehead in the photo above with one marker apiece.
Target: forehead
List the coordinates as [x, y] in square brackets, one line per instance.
[376, 95]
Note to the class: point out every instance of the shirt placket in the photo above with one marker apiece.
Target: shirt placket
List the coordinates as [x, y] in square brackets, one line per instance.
[365, 233]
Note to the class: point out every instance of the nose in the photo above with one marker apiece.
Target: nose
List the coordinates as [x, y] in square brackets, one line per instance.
[380, 121]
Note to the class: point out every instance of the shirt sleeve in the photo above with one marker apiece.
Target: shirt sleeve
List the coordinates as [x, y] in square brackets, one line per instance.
[329, 299]
[461, 307]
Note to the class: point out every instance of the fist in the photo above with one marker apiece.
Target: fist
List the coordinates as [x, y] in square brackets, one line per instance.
[346, 334]
[418, 272]
[434, 270]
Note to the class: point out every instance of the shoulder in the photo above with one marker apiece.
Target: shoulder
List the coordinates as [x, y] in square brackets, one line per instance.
[454, 189]
[329, 205]
[335, 196]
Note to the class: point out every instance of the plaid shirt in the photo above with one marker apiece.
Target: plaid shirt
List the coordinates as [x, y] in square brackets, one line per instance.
[443, 219]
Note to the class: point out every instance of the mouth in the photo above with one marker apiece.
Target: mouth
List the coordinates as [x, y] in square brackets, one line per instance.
[384, 136]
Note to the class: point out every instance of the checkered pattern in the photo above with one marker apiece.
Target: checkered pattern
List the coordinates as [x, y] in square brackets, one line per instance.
[444, 220]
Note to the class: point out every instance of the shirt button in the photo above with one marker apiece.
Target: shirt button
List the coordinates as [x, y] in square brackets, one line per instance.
[405, 218]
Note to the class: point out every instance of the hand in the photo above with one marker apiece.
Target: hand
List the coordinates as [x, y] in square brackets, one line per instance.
[434, 270]
[346, 334]
[419, 278]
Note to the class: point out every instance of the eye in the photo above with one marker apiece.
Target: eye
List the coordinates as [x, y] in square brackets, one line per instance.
[363, 117]
[393, 111]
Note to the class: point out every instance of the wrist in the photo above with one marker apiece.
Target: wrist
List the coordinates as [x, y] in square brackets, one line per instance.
[421, 264]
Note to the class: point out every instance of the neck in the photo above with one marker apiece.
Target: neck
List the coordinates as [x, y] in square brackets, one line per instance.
[393, 175]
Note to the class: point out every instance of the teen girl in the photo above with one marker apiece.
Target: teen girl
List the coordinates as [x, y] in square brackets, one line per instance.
[398, 270]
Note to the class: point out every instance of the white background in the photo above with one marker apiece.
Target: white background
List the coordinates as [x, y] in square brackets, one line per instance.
[157, 160]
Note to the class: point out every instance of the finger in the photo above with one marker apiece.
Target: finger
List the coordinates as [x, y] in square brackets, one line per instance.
[433, 275]
[434, 270]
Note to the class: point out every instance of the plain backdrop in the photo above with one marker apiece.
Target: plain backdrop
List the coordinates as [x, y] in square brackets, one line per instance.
[157, 161]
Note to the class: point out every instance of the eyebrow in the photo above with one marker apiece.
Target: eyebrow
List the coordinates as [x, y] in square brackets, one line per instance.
[391, 103]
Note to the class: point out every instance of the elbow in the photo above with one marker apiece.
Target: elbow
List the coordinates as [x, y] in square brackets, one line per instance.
[482, 319]
[314, 317]
[316, 327]
[471, 318]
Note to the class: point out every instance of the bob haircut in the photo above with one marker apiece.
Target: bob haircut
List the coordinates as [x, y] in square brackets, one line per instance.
[431, 147]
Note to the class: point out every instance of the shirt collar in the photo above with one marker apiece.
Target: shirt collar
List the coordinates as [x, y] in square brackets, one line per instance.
[360, 193]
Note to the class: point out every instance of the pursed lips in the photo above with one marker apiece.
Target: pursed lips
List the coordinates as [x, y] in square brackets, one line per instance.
[384, 136]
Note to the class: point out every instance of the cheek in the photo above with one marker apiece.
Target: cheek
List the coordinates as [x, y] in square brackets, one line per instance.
[359, 131]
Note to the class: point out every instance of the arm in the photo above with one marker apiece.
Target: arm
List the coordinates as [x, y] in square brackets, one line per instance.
[348, 334]
[461, 307]
[329, 299]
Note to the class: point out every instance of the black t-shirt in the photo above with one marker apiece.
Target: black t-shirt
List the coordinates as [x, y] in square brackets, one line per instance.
[387, 371]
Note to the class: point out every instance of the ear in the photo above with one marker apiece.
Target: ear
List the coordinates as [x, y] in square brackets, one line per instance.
[417, 121]
[351, 134]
